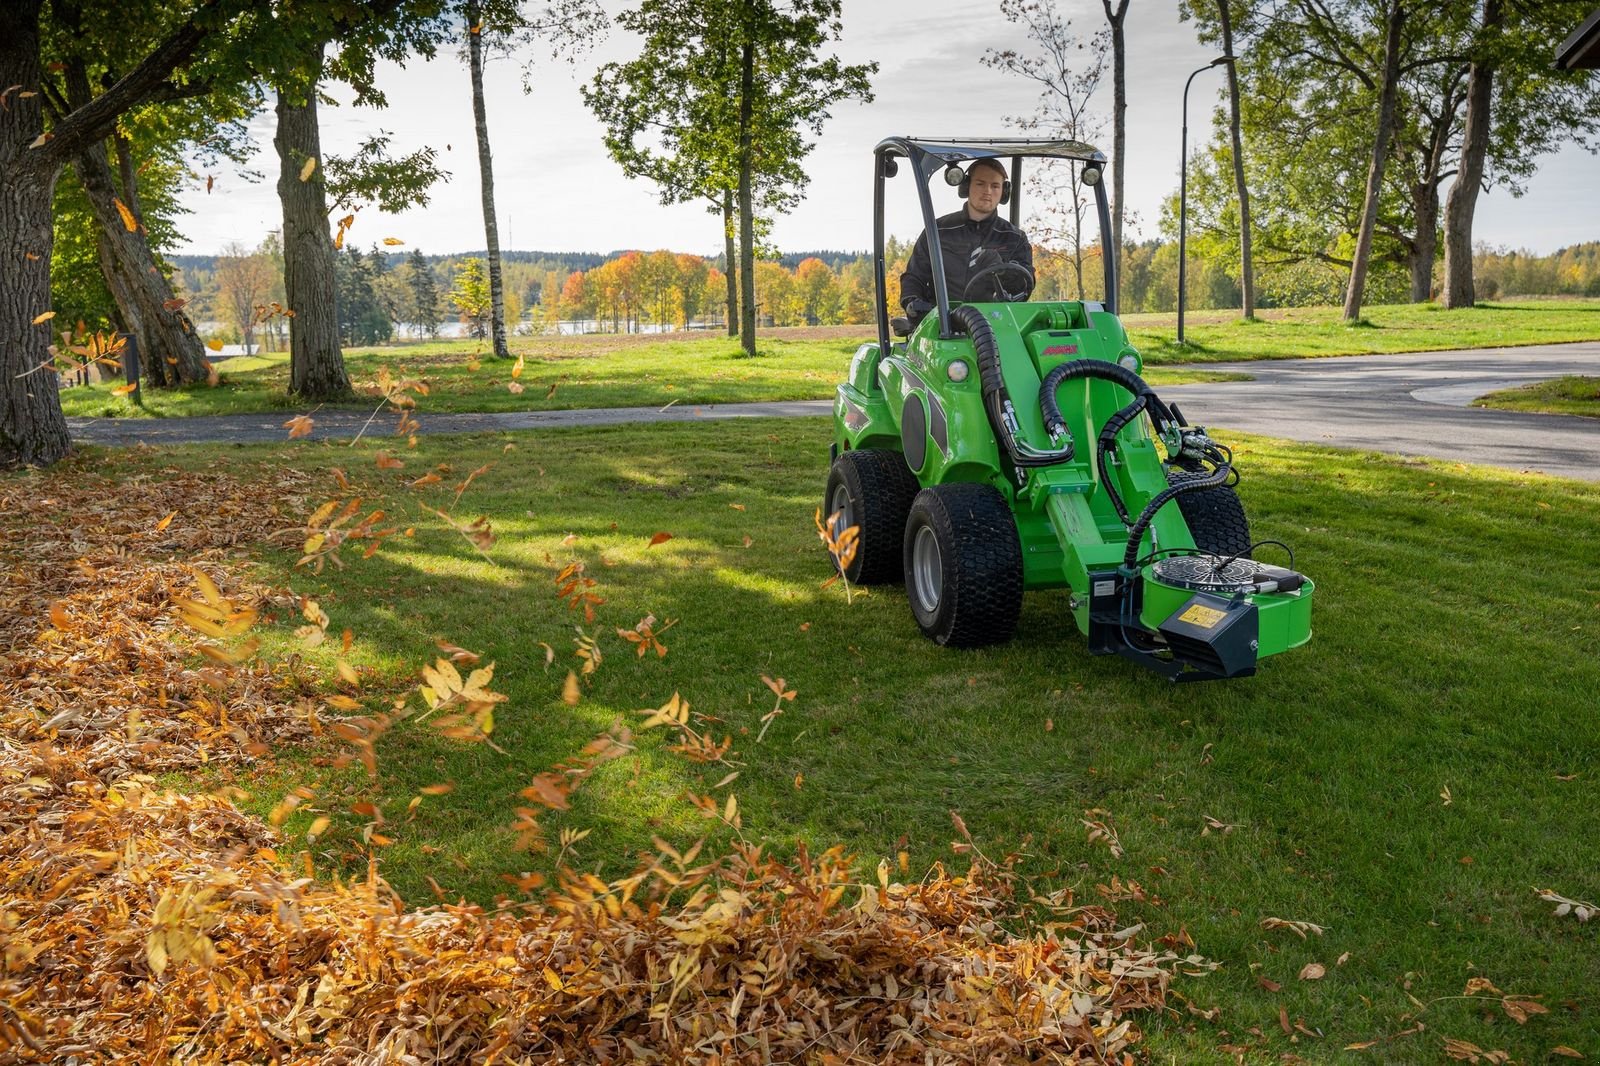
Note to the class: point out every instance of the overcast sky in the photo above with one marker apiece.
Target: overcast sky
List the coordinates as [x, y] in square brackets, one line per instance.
[558, 191]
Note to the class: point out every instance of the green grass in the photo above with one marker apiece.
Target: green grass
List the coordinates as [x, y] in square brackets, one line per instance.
[609, 370]
[1304, 332]
[1563, 396]
[1455, 621]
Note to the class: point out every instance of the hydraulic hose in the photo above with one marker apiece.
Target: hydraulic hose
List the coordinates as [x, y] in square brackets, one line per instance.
[1144, 399]
[1112, 372]
[1136, 531]
[1002, 415]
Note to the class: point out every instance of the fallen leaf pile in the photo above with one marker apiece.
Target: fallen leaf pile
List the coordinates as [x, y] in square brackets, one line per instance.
[93, 656]
[149, 925]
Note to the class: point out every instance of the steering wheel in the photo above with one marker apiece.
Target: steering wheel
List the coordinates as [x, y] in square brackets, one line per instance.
[997, 275]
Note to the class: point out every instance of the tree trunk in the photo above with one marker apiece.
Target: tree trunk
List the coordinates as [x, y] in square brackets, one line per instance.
[1463, 200]
[1380, 158]
[316, 364]
[1119, 124]
[131, 321]
[731, 259]
[491, 227]
[747, 244]
[1247, 274]
[169, 349]
[1425, 207]
[32, 428]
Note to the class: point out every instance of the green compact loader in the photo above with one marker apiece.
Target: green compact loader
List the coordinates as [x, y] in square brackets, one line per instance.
[1002, 444]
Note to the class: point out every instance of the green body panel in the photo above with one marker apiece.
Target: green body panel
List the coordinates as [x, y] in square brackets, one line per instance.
[1066, 521]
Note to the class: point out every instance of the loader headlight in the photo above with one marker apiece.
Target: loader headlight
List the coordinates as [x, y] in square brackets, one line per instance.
[957, 370]
[1130, 361]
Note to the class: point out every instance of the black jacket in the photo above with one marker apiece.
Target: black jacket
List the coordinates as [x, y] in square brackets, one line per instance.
[966, 247]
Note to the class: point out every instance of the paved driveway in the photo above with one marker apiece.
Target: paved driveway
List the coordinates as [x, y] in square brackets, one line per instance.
[1409, 404]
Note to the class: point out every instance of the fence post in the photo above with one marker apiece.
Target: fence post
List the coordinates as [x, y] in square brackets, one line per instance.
[130, 366]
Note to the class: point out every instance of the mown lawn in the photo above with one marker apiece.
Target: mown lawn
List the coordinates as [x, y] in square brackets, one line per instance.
[1407, 780]
[1563, 396]
[609, 370]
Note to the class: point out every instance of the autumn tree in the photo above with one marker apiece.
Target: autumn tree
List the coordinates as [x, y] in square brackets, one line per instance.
[244, 282]
[470, 294]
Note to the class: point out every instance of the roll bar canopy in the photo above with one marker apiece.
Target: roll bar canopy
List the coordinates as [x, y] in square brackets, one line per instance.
[928, 154]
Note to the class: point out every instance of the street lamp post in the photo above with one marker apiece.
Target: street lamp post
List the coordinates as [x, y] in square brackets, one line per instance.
[1183, 187]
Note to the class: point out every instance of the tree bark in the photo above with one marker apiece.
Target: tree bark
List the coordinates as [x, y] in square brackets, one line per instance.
[1425, 209]
[1119, 125]
[731, 258]
[1383, 136]
[32, 427]
[1247, 275]
[170, 350]
[130, 321]
[491, 226]
[1463, 200]
[747, 246]
[316, 363]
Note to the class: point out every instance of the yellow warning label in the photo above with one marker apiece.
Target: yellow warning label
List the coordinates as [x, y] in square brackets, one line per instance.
[1204, 617]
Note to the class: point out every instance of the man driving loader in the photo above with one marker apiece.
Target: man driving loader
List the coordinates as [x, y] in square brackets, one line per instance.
[970, 240]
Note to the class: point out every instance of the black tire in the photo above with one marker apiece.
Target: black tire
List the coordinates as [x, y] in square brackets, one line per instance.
[1215, 516]
[871, 488]
[963, 565]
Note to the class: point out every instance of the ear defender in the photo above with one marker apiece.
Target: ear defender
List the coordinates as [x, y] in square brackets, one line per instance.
[965, 188]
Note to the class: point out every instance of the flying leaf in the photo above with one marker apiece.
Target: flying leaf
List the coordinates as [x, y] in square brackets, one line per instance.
[659, 538]
[392, 241]
[516, 369]
[45, 317]
[173, 304]
[514, 387]
[123, 390]
[214, 345]
[569, 691]
[298, 426]
[386, 462]
[129, 223]
[165, 522]
[306, 171]
[1313, 971]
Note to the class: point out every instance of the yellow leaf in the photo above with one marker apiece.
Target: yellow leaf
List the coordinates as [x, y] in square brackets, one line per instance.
[45, 317]
[348, 673]
[437, 790]
[317, 828]
[306, 171]
[299, 426]
[514, 387]
[516, 369]
[343, 703]
[165, 522]
[129, 223]
[123, 390]
[392, 241]
[215, 346]
[569, 692]
[209, 590]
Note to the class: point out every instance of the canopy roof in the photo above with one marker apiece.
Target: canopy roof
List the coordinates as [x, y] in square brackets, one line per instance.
[956, 149]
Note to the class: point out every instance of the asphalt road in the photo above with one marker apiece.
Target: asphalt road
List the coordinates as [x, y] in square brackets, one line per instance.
[1407, 404]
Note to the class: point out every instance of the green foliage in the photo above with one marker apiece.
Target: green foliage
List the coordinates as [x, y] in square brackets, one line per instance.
[362, 316]
[371, 175]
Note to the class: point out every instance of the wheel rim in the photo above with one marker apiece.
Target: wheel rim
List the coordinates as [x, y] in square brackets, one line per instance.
[927, 570]
[839, 505]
